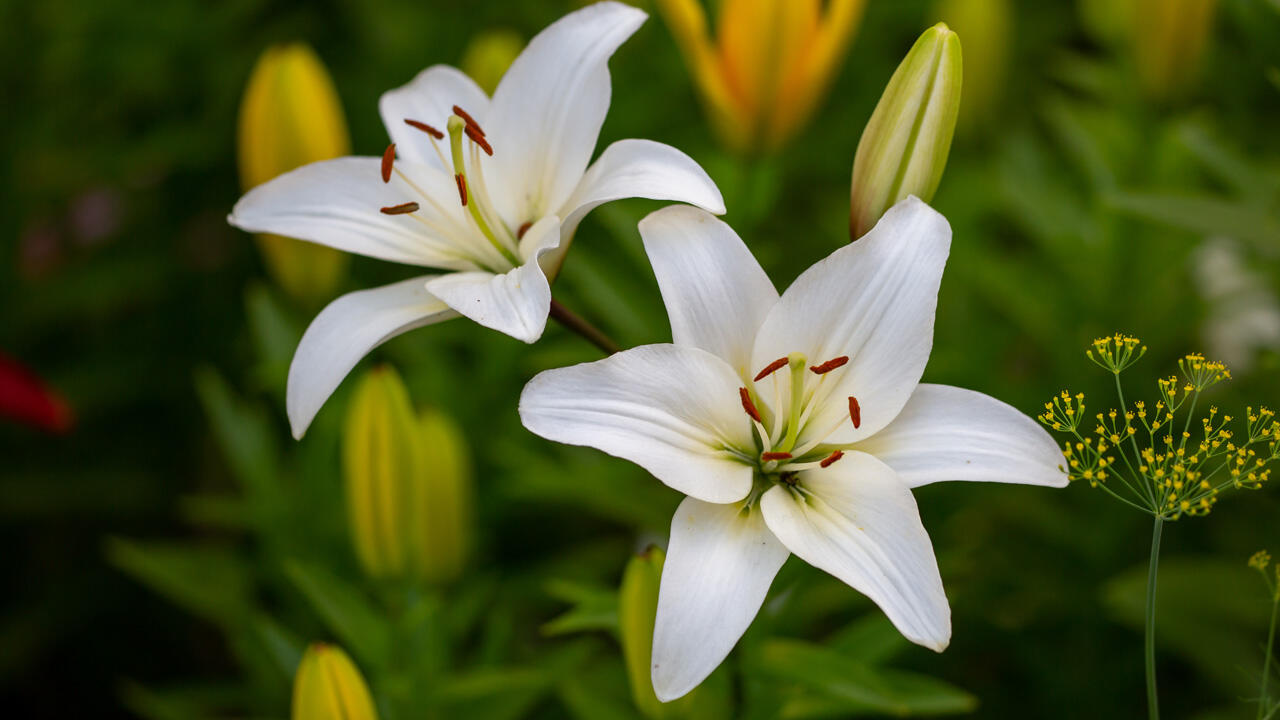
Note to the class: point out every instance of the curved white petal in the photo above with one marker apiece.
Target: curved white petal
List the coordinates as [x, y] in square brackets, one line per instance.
[345, 331]
[547, 111]
[515, 303]
[643, 169]
[873, 301]
[715, 292]
[859, 522]
[429, 98]
[720, 563]
[949, 433]
[338, 203]
[669, 409]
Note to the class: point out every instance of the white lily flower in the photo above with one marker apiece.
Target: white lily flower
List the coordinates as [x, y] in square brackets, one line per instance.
[795, 424]
[494, 197]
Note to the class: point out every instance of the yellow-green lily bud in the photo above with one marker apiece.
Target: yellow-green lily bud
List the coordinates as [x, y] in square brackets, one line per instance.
[1169, 39]
[291, 116]
[637, 608]
[488, 56]
[904, 147]
[408, 485]
[328, 686]
[986, 27]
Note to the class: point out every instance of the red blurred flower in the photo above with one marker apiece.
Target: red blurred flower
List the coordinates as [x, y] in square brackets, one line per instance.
[26, 399]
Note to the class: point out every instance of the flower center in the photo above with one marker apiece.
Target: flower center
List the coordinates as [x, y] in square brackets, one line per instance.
[779, 454]
[501, 247]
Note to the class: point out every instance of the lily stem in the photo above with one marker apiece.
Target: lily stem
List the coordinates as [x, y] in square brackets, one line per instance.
[591, 333]
[1153, 703]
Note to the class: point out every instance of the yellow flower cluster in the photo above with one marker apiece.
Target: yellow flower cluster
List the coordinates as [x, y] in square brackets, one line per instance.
[1165, 471]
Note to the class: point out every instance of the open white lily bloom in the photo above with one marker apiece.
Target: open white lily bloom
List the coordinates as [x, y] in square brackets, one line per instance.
[490, 189]
[795, 424]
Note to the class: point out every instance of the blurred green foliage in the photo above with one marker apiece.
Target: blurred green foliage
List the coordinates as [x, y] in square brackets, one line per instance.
[172, 556]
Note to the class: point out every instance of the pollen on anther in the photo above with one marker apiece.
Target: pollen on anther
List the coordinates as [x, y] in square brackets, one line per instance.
[855, 412]
[401, 209]
[749, 406]
[424, 128]
[524, 228]
[462, 187]
[466, 117]
[477, 137]
[770, 369]
[388, 157]
[775, 456]
[828, 460]
[829, 365]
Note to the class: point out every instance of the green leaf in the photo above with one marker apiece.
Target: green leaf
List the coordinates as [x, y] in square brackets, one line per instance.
[245, 436]
[275, 336]
[345, 611]
[206, 580]
[594, 608]
[1203, 215]
[871, 639]
[845, 686]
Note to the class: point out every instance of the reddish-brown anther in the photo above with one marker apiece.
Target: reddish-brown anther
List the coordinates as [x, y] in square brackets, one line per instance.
[401, 209]
[388, 157]
[775, 456]
[769, 369]
[524, 228]
[826, 462]
[855, 412]
[477, 137]
[749, 406]
[829, 365]
[462, 188]
[424, 128]
[471, 122]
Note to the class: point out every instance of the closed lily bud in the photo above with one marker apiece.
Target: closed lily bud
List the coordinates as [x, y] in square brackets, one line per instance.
[291, 116]
[488, 56]
[1169, 40]
[768, 66]
[328, 686]
[637, 607]
[904, 147]
[408, 485]
[986, 26]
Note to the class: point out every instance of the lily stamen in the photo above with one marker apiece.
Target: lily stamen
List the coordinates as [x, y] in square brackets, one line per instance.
[828, 460]
[388, 158]
[466, 117]
[524, 228]
[462, 187]
[775, 456]
[770, 369]
[749, 406]
[829, 365]
[478, 138]
[855, 412]
[424, 128]
[401, 209]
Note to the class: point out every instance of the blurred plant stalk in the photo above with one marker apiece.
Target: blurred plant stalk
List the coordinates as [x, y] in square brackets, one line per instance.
[1169, 42]
[408, 485]
[904, 148]
[328, 686]
[488, 56]
[767, 68]
[291, 116]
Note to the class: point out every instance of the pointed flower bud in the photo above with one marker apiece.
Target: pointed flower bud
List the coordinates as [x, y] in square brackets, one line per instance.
[1169, 40]
[328, 686]
[291, 116]
[904, 147]
[769, 65]
[637, 608]
[488, 56]
[408, 485]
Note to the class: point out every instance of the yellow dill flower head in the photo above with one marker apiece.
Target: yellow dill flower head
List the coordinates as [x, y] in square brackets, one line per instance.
[1260, 560]
[767, 67]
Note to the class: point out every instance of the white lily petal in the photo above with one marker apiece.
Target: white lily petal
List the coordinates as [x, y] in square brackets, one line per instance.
[715, 292]
[720, 563]
[547, 111]
[873, 301]
[670, 409]
[345, 331]
[643, 169]
[859, 522]
[429, 98]
[516, 302]
[337, 203]
[949, 433]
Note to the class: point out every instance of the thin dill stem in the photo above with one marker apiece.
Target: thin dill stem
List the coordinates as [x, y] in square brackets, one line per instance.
[1153, 703]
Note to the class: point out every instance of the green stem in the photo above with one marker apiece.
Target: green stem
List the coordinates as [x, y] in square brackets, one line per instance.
[1153, 704]
[1263, 700]
[572, 321]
